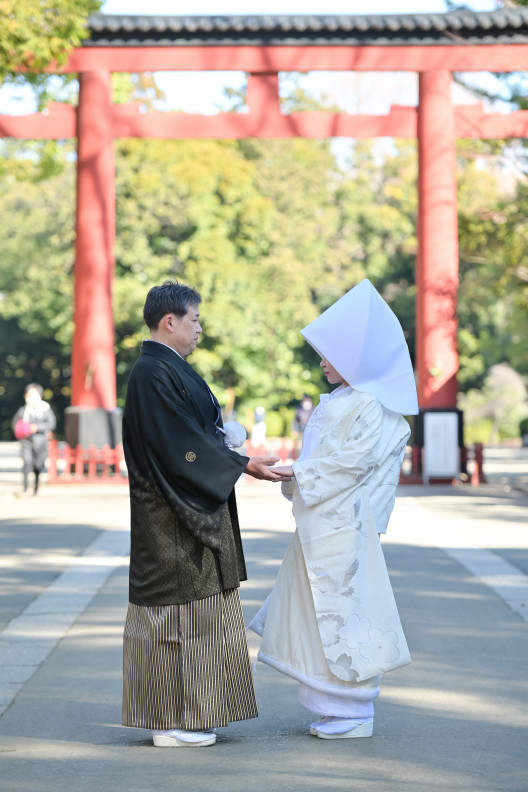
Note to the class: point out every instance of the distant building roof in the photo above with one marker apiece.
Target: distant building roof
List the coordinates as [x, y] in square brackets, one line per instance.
[504, 26]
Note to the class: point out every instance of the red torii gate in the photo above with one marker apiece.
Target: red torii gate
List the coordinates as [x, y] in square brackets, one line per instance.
[433, 45]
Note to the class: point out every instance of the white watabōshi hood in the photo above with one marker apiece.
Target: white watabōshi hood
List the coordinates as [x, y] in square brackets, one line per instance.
[363, 340]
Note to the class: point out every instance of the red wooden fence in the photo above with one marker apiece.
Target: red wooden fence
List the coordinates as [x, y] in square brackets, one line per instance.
[67, 465]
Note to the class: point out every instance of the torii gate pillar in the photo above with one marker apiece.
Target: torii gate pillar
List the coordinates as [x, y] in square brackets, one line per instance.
[89, 420]
[437, 262]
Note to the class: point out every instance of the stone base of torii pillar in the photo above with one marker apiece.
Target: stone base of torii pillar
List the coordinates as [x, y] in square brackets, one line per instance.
[87, 427]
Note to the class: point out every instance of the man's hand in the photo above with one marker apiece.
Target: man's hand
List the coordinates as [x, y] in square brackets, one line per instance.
[261, 468]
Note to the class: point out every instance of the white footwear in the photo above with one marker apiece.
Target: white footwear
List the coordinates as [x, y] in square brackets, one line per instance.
[177, 738]
[316, 724]
[330, 728]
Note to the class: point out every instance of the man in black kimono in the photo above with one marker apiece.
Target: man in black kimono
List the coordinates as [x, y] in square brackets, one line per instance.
[186, 665]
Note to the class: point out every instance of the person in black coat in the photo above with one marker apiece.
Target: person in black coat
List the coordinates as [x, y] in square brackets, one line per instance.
[32, 424]
[186, 665]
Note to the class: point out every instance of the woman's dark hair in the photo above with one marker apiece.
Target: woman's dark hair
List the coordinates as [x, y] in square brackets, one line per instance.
[170, 297]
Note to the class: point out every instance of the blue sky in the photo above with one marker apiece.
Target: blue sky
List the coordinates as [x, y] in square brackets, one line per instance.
[165, 7]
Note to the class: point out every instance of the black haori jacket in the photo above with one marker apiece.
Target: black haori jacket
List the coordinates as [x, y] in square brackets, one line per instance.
[185, 537]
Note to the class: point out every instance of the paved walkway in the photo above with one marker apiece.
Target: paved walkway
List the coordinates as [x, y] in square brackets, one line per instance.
[456, 719]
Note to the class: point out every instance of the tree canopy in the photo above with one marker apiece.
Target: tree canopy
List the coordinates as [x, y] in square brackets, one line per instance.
[35, 33]
[270, 232]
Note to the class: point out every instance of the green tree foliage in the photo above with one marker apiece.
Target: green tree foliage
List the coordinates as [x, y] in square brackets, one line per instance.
[493, 239]
[36, 287]
[496, 411]
[271, 233]
[34, 33]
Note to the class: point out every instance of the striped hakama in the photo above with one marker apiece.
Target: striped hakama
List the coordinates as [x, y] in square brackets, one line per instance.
[187, 666]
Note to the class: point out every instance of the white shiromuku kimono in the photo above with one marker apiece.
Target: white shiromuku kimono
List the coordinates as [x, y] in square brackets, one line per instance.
[331, 621]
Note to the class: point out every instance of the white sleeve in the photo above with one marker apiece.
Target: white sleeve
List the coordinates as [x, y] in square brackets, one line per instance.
[351, 461]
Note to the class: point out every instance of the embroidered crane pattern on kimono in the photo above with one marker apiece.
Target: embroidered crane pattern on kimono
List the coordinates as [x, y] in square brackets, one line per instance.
[331, 585]
[341, 519]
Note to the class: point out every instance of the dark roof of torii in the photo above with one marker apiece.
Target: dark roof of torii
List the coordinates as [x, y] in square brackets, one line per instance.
[504, 26]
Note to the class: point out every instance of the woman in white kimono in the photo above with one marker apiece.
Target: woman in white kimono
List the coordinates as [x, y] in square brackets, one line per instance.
[331, 621]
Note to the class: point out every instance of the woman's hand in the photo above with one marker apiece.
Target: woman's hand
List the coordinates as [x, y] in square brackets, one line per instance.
[285, 472]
